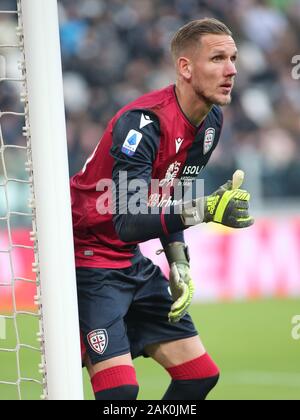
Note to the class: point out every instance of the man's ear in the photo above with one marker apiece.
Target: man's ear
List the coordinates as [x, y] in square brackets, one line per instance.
[184, 66]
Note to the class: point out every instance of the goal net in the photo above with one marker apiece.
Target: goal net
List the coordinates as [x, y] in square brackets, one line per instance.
[39, 336]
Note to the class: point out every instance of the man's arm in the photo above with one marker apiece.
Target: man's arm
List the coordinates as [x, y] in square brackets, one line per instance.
[135, 146]
[136, 138]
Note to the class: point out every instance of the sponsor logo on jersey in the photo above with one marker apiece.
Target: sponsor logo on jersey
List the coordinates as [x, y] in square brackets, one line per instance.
[98, 340]
[189, 174]
[178, 143]
[132, 142]
[162, 201]
[209, 138]
[145, 120]
[171, 175]
[192, 170]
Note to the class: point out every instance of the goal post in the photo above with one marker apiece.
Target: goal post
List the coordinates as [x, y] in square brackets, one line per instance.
[48, 181]
[52, 198]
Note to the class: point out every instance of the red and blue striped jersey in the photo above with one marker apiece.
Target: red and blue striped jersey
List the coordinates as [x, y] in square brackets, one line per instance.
[149, 139]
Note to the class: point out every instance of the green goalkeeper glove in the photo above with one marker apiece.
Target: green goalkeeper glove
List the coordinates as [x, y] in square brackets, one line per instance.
[228, 206]
[181, 284]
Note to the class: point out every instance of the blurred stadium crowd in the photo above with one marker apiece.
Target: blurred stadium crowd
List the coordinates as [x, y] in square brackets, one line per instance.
[113, 51]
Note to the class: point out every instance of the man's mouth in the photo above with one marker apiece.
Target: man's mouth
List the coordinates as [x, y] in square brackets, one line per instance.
[227, 87]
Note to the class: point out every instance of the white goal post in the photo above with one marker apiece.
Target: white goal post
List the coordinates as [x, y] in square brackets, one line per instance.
[48, 163]
[52, 198]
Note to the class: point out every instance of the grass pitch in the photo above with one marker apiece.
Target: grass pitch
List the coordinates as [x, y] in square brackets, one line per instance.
[251, 343]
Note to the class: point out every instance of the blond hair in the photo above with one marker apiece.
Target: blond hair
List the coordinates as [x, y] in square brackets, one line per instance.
[189, 35]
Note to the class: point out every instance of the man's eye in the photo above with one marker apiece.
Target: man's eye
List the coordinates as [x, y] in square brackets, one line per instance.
[218, 58]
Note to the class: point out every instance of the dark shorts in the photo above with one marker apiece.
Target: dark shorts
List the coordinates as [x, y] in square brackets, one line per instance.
[122, 311]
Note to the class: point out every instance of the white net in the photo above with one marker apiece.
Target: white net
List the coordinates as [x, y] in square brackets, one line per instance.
[21, 370]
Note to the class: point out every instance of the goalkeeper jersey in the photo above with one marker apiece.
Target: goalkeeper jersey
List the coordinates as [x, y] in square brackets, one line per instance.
[149, 142]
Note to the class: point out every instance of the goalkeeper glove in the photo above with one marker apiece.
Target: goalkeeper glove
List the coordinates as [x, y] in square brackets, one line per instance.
[226, 206]
[181, 284]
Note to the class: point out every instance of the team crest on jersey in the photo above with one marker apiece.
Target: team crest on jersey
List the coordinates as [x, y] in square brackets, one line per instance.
[98, 340]
[132, 142]
[209, 138]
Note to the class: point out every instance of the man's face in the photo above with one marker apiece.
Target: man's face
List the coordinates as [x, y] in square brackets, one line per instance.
[213, 69]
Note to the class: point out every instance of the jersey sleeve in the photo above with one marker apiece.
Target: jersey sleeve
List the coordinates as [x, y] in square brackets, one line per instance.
[136, 140]
[174, 237]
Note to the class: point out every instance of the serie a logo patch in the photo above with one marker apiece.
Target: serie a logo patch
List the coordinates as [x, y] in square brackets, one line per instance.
[132, 142]
[98, 340]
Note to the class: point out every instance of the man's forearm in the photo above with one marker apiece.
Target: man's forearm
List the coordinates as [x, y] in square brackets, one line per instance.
[226, 206]
[170, 220]
[143, 227]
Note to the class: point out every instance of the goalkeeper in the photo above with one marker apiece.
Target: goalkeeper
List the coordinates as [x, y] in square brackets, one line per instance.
[125, 307]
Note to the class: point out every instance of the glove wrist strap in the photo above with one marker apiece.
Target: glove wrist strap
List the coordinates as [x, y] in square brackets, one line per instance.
[193, 212]
[177, 252]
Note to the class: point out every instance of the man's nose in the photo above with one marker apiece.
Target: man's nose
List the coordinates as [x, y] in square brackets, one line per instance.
[230, 69]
